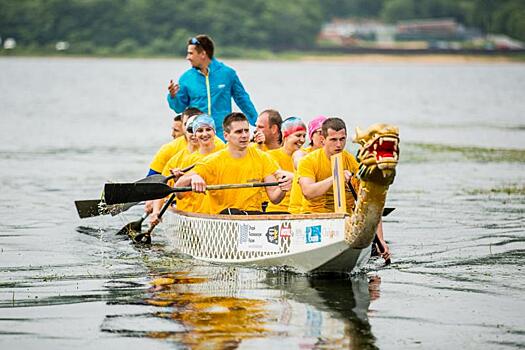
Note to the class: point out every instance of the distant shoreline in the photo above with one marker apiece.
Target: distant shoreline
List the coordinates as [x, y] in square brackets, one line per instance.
[429, 58]
[416, 58]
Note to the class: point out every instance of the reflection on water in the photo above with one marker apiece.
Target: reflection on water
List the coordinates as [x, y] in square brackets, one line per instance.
[238, 307]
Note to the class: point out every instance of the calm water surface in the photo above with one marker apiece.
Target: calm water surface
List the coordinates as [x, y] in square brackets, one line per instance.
[457, 235]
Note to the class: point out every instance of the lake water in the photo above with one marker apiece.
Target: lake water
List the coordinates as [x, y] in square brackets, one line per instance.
[457, 236]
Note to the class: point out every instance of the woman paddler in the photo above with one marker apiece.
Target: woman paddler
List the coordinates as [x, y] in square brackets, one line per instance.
[293, 131]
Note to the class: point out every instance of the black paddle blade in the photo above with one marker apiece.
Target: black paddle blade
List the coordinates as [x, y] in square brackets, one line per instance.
[88, 208]
[115, 193]
[157, 178]
[131, 229]
[387, 211]
[95, 207]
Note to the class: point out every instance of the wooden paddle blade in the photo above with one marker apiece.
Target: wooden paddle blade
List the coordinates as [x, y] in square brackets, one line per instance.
[387, 211]
[88, 208]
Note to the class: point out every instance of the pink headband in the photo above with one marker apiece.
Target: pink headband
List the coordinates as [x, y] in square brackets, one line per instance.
[315, 124]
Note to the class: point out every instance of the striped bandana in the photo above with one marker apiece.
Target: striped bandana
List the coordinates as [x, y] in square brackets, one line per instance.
[291, 125]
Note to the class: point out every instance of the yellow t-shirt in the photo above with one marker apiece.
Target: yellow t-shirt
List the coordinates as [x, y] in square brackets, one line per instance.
[285, 163]
[261, 147]
[191, 201]
[221, 168]
[316, 165]
[169, 149]
[175, 161]
[296, 195]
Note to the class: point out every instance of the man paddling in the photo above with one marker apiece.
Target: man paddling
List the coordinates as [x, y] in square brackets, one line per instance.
[168, 150]
[315, 174]
[237, 163]
[209, 85]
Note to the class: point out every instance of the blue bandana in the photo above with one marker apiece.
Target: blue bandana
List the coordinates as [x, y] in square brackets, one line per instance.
[203, 119]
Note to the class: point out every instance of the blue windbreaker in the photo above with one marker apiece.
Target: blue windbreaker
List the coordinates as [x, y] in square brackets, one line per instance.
[224, 84]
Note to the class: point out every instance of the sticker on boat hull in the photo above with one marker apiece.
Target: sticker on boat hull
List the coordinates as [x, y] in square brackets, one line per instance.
[258, 236]
[313, 234]
[286, 230]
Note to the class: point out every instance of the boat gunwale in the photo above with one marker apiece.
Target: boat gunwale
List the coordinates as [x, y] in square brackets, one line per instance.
[262, 216]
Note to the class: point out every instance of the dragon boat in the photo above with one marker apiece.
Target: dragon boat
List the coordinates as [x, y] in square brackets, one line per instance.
[304, 243]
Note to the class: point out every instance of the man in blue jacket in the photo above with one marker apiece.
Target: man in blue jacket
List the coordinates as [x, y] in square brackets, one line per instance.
[209, 85]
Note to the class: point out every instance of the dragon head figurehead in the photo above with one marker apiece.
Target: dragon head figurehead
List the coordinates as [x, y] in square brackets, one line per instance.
[378, 153]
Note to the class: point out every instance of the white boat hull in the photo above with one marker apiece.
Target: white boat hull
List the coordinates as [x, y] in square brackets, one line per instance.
[303, 243]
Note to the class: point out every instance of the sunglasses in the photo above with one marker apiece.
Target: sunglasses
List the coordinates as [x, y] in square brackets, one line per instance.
[195, 41]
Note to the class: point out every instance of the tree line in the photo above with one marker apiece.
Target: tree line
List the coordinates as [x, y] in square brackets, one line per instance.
[163, 26]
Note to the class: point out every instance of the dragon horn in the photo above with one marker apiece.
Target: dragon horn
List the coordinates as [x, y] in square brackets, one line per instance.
[358, 135]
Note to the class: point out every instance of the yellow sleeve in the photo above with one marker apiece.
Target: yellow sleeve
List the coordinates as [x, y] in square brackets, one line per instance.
[270, 166]
[205, 168]
[306, 168]
[159, 160]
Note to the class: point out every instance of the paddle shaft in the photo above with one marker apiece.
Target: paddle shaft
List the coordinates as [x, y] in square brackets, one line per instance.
[146, 237]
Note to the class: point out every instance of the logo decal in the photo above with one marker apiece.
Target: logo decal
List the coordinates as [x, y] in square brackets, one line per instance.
[273, 234]
[313, 234]
[286, 229]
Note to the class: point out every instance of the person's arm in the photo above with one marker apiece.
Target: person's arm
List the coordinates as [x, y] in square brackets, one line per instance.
[194, 180]
[154, 216]
[242, 99]
[277, 193]
[312, 189]
[178, 98]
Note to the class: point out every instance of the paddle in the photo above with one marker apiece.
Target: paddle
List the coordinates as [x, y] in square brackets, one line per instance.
[135, 192]
[134, 226]
[94, 207]
[146, 237]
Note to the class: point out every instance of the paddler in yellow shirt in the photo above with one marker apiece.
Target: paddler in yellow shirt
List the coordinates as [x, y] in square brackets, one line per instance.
[267, 134]
[174, 166]
[237, 163]
[315, 172]
[169, 149]
[204, 132]
[293, 131]
[315, 134]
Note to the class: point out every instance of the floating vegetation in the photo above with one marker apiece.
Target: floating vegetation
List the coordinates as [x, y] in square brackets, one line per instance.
[416, 152]
[511, 189]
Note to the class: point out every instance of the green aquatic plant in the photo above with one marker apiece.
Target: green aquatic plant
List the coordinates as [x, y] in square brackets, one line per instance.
[418, 152]
[511, 189]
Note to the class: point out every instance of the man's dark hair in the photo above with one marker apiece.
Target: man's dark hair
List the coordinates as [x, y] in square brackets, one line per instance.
[177, 118]
[232, 117]
[203, 42]
[335, 124]
[274, 118]
[190, 112]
